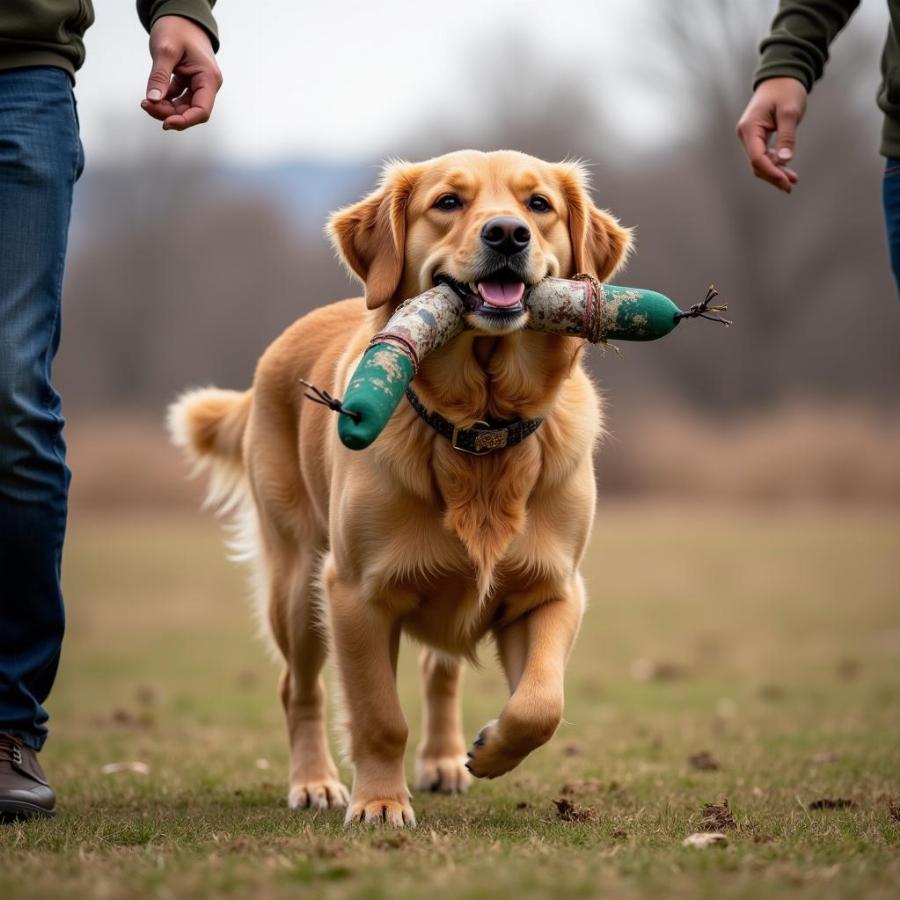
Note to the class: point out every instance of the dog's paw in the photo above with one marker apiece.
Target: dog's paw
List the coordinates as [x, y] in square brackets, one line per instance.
[442, 774]
[393, 813]
[327, 794]
[490, 756]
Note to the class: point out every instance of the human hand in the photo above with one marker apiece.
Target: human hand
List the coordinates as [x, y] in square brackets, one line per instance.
[777, 105]
[185, 77]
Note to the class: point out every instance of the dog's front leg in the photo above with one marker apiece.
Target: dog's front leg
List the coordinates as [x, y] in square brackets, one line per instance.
[366, 640]
[534, 650]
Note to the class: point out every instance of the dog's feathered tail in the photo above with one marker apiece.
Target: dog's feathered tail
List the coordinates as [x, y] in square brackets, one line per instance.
[209, 424]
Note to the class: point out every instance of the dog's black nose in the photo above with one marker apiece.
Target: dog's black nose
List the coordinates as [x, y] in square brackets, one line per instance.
[506, 235]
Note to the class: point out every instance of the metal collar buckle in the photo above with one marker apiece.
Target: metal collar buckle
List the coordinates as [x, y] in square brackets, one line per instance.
[487, 439]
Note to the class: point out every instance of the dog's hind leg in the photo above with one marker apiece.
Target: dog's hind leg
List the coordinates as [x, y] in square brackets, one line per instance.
[294, 617]
[441, 756]
[534, 650]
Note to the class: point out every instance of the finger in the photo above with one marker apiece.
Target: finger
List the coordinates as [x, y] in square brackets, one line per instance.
[202, 99]
[161, 110]
[791, 174]
[754, 136]
[786, 121]
[165, 58]
[764, 168]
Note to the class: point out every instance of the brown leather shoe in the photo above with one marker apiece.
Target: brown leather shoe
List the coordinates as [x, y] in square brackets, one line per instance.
[24, 791]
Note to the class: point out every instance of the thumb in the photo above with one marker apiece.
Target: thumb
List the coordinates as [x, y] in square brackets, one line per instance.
[164, 62]
[786, 123]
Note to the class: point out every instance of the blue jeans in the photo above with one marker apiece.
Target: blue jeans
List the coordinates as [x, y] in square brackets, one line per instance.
[40, 161]
[891, 200]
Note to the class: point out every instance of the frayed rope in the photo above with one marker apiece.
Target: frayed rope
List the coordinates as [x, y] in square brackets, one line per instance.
[702, 310]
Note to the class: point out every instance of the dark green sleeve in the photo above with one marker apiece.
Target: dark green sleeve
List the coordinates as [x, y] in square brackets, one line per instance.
[199, 11]
[797, 45]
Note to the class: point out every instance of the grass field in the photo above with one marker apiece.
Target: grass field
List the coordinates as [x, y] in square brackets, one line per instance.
[769, 640]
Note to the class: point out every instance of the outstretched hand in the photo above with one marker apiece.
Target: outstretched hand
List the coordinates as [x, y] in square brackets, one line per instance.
[185, 77]
[777, 106]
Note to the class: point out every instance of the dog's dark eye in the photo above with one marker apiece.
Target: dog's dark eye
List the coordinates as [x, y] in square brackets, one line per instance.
[539, 204]
[448, 203]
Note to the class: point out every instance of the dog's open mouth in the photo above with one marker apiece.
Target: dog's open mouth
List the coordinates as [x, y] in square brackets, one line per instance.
[499, 295]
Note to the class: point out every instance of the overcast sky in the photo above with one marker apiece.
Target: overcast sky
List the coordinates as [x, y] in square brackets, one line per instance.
[335, 79]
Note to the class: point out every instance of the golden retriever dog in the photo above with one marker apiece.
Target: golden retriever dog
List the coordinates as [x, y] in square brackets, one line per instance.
[413, 535]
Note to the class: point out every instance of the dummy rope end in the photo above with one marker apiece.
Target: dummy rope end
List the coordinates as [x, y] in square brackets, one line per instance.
[703, 309]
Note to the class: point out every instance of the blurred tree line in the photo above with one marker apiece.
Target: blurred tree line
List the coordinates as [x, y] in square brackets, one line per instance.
[178, 278]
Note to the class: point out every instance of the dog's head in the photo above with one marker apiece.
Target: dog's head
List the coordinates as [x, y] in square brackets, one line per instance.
[492, 223]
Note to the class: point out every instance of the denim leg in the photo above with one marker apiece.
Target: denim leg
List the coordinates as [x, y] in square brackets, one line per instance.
[40, 160]
[891, 199]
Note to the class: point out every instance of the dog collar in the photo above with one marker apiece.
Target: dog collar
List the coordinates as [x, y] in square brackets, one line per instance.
[484, 438]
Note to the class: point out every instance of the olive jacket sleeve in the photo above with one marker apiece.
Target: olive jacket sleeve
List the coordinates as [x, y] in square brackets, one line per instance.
[199, 11]
[801, 33]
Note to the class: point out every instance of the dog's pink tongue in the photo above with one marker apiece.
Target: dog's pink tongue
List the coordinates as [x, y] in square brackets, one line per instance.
[502, 294]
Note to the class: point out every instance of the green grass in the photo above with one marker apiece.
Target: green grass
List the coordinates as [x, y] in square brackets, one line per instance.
[784, 630]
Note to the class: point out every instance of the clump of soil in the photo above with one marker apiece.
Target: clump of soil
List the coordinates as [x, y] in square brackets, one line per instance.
[392, 841]
[573, 788]
[570, 811]
[645, 669]
[703, 761]
[833, 803]
[771, 692]
[848, 669]
[717, 817]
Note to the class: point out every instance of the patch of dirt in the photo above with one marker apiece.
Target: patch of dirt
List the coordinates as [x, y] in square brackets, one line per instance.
[124, 718]
[645, 669]
[824, 758]
[771, 692]
[572, 750]
[833, 803]
[703, 761]
[717, 817]
[848, 669]
[569, 811]
[571, 789]
[392, 841]
[146, 695]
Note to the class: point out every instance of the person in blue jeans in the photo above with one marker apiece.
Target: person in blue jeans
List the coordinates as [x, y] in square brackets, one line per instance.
[40, 160]
[792, 58]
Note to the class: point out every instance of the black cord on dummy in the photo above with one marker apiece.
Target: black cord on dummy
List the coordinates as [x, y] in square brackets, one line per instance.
[702, 310]
[323, 397]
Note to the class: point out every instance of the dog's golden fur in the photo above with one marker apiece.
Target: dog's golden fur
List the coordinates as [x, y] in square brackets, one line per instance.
[412, 535]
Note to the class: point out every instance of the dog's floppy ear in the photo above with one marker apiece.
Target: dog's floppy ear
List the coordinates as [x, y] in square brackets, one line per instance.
[370, 236]
[600, 245]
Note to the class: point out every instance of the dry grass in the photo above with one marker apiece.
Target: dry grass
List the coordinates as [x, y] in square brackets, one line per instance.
[798, 454]
[769, 641]
[793, 454]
